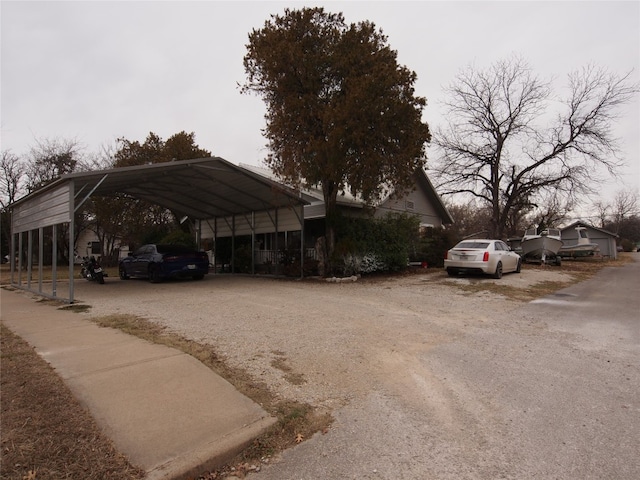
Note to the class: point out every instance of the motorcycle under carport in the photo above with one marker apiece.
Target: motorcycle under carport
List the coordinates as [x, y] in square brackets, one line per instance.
[91, 270]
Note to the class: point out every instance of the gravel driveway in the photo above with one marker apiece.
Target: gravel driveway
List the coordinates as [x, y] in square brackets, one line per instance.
[425, 380]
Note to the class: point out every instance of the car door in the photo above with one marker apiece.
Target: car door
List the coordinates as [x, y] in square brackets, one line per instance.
[141, 260]
[508, 260]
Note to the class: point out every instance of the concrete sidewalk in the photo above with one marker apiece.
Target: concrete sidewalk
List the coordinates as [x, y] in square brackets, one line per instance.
[167, 412]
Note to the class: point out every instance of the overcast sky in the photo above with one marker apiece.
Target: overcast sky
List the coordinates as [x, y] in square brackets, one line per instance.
[97, 71]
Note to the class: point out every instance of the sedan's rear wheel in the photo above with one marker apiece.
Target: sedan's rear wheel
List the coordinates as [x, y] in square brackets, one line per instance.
[498, 272]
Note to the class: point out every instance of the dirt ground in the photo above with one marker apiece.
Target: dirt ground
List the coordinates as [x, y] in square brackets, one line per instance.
[328, 345]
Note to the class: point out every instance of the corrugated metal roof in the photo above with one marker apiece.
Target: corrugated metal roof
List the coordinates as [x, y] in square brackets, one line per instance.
[201, 188]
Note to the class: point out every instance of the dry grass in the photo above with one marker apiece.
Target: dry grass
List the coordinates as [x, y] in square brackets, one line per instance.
[46, 433]
[578, 269]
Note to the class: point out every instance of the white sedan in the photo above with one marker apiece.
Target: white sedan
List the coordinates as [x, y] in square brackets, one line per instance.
[491, 257]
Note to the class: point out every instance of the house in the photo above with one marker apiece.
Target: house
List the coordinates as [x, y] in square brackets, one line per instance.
[268, 232]
[606, 240]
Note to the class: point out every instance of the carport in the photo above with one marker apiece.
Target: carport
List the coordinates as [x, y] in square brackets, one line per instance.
[204, 190]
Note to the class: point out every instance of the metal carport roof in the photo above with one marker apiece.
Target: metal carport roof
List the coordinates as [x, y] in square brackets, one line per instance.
[203, 188]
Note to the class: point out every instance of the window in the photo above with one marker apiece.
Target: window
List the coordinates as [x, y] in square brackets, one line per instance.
[409, 205]
[95, 248]
[472, 244]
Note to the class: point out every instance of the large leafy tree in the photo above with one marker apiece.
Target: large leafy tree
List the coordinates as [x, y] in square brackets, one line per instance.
[154, 149]
[130, 219]
[341, 112]
[504, 146]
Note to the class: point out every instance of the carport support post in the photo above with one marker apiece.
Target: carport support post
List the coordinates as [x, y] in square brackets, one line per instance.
[40, 259]
[71, 250]
[215, 245]
[233, 244]
[199, 234]
[12, 258]
[277, 259]
[54, 260]
[20, 247]
[29, 257]
[253, 243]
[302, 241]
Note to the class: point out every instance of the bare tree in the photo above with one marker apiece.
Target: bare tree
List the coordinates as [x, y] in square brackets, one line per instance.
[602, 210]
[468, 220]
[625, 205]
[12, 172]
[50, 159]
[550, 211]
[496, 149]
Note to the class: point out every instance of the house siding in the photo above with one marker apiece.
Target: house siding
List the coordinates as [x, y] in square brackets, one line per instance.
[422, 207]
[316, 210]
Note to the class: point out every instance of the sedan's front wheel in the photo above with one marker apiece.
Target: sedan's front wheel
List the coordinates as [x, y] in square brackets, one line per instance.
[498, 272]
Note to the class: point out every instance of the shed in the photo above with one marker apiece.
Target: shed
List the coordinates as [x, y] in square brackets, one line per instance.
[606, 240]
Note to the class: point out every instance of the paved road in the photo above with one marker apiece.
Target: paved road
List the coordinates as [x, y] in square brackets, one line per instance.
[548, 390]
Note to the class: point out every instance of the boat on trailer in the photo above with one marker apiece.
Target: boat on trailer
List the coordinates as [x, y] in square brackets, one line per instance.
[583, 248]
[541, 247]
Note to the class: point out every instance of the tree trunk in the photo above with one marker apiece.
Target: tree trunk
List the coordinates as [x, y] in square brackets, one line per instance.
[330, 193]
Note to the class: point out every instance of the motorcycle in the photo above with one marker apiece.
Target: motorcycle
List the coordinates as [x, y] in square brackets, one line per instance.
[91, 270]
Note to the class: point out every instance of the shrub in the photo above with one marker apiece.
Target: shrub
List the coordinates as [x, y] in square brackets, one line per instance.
[366, 245]
[242, 259]
[628, 245]
[432, 246]
[178, 237]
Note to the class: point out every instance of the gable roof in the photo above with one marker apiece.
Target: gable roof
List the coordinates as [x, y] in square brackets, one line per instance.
[580, 223]
[434, 198]
[200, 188]
[346, 199]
